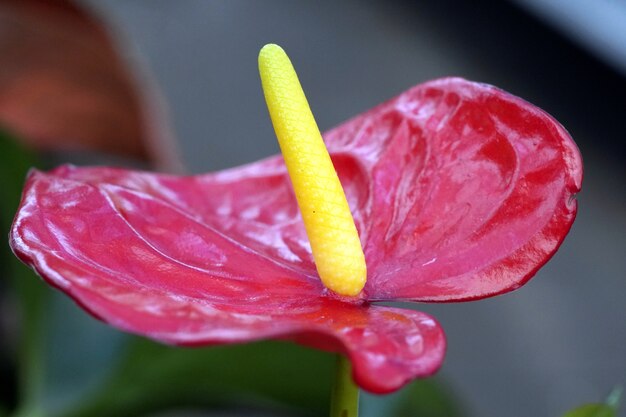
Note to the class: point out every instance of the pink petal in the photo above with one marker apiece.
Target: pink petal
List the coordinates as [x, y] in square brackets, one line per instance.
[459, 190]
[144, 265]
[470, 190]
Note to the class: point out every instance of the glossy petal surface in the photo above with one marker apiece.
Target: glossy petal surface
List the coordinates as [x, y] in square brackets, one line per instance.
[470, 190]
[145, 266]
[459, 191]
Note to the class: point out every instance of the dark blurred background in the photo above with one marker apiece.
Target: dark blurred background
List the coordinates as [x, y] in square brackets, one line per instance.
[560, 340]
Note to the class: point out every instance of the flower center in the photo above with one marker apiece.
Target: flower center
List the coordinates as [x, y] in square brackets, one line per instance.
[329, 225]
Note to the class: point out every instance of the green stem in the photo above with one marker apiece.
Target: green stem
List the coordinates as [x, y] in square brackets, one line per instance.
[344, 399]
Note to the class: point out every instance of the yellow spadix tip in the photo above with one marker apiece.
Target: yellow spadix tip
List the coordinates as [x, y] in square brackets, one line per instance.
[327, 219]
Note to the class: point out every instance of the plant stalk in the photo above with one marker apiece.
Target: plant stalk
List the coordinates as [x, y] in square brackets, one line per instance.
[344, 400]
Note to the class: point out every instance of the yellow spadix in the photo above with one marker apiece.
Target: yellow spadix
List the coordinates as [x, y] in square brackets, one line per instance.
[327, 219]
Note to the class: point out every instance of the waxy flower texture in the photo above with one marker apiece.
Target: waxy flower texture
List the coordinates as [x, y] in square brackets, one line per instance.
[459, 190]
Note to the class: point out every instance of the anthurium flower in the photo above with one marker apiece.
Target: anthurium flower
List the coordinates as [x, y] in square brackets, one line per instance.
[459, 191]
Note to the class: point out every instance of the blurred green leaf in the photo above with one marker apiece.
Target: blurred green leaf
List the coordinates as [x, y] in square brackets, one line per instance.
[264, 374]
[421, 398]
[15, 162]
[608, 409]
[592, 410]
[425, 398]
[270, 374]
[80, 353]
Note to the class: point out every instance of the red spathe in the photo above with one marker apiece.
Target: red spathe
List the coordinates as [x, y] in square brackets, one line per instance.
[459, 190]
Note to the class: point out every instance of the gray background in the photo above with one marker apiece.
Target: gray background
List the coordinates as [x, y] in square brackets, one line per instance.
[557, 342]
